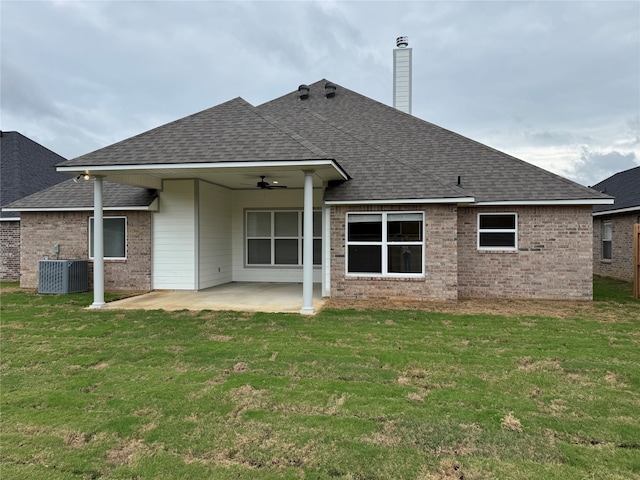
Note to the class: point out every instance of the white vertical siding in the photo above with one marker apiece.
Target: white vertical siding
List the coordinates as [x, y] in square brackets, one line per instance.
[267, 199]
[215, 252]
[174, 241]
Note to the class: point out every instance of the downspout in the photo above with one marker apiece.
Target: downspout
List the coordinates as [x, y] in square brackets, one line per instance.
[307, 242]
[98, 245]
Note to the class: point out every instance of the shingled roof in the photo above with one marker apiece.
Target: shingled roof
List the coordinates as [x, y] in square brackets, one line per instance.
[389, 155]
[625, 187]
[412, 156]
[71, 195]
[25, 167]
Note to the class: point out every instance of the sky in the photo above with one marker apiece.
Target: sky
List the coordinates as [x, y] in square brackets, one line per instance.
[556, 84]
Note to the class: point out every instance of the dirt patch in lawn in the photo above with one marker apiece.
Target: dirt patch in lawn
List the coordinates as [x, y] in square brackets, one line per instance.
[504, 307]
[127, 452]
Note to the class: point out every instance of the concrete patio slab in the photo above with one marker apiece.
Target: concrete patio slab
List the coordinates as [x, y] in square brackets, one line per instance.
[236, 296]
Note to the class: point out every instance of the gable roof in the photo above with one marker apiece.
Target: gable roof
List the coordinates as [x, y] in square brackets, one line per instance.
[73, 196]
[25, 167]
[231, 131]
[389, 155]
[625, 187]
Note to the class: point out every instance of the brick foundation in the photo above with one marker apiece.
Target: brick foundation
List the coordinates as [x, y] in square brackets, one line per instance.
[41, 230]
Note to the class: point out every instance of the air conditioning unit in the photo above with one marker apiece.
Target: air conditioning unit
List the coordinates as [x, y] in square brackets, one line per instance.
[63, 276]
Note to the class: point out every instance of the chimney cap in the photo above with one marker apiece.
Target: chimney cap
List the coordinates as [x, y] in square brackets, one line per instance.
[402, 42]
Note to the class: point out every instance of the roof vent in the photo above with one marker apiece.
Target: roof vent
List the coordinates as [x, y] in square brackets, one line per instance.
[304, 92]
[402, 42]
[329, 90]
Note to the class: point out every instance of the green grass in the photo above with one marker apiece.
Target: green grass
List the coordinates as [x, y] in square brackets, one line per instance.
[611, 289]
[342, 395]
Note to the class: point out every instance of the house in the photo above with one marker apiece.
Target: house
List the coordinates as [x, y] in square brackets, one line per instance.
[378, 204]
[25, 167]
[613, 225]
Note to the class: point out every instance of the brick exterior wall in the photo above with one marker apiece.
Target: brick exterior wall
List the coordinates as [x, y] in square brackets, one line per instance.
[553, 260]
[10, 251]
[41, 230]
[621, 263]
[440, 282]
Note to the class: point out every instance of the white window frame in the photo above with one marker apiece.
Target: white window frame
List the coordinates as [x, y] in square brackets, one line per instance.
[514, 230]
[272, 238]
[384, 244]
[90, 235]
[606, 223]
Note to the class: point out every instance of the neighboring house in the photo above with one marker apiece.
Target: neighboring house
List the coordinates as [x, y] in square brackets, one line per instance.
[25, 167]
[379, 204]
[613, 225]
[62, 215]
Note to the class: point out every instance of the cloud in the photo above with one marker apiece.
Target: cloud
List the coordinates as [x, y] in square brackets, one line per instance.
[597, 166]
[539, 80]
[546, 138]
[23, 94]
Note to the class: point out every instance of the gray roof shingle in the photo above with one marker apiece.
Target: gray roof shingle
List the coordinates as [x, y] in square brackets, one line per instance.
[421, 155]
[624, 186]
[25, 167]
[70, 195]
[388, 154]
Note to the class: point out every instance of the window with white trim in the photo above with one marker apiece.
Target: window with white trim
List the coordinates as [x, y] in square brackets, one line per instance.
[115, 237]
[275, 237]
[607, 237]
[497, 231]
[386, 243]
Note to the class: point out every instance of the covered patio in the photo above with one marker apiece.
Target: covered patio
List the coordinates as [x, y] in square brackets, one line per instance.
[236, 296]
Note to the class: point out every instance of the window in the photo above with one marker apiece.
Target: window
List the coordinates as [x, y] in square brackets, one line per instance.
[497, 231]
[276, 237]
[385, 244]
[607, 233]
[115, 237]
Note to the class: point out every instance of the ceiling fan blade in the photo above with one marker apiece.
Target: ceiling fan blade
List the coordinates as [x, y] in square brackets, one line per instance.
[266, 185]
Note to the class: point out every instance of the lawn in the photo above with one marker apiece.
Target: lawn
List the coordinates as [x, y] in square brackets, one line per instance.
[345, 394]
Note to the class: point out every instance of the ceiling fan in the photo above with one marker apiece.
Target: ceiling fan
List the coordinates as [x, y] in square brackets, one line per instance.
[267, 186]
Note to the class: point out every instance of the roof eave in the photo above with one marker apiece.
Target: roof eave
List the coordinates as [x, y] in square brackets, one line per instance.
[578, 201]
[97, 169]
[620, 210]
[402, 201]
[80, 209]
[152, 207]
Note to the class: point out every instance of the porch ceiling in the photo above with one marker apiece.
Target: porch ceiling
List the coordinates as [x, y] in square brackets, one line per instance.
[235, 176]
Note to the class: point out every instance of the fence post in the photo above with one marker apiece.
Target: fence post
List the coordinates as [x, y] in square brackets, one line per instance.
[636, 260]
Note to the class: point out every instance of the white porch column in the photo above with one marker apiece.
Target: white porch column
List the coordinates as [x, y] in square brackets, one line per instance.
[326, 251]
[98, 246]
[307, 244]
